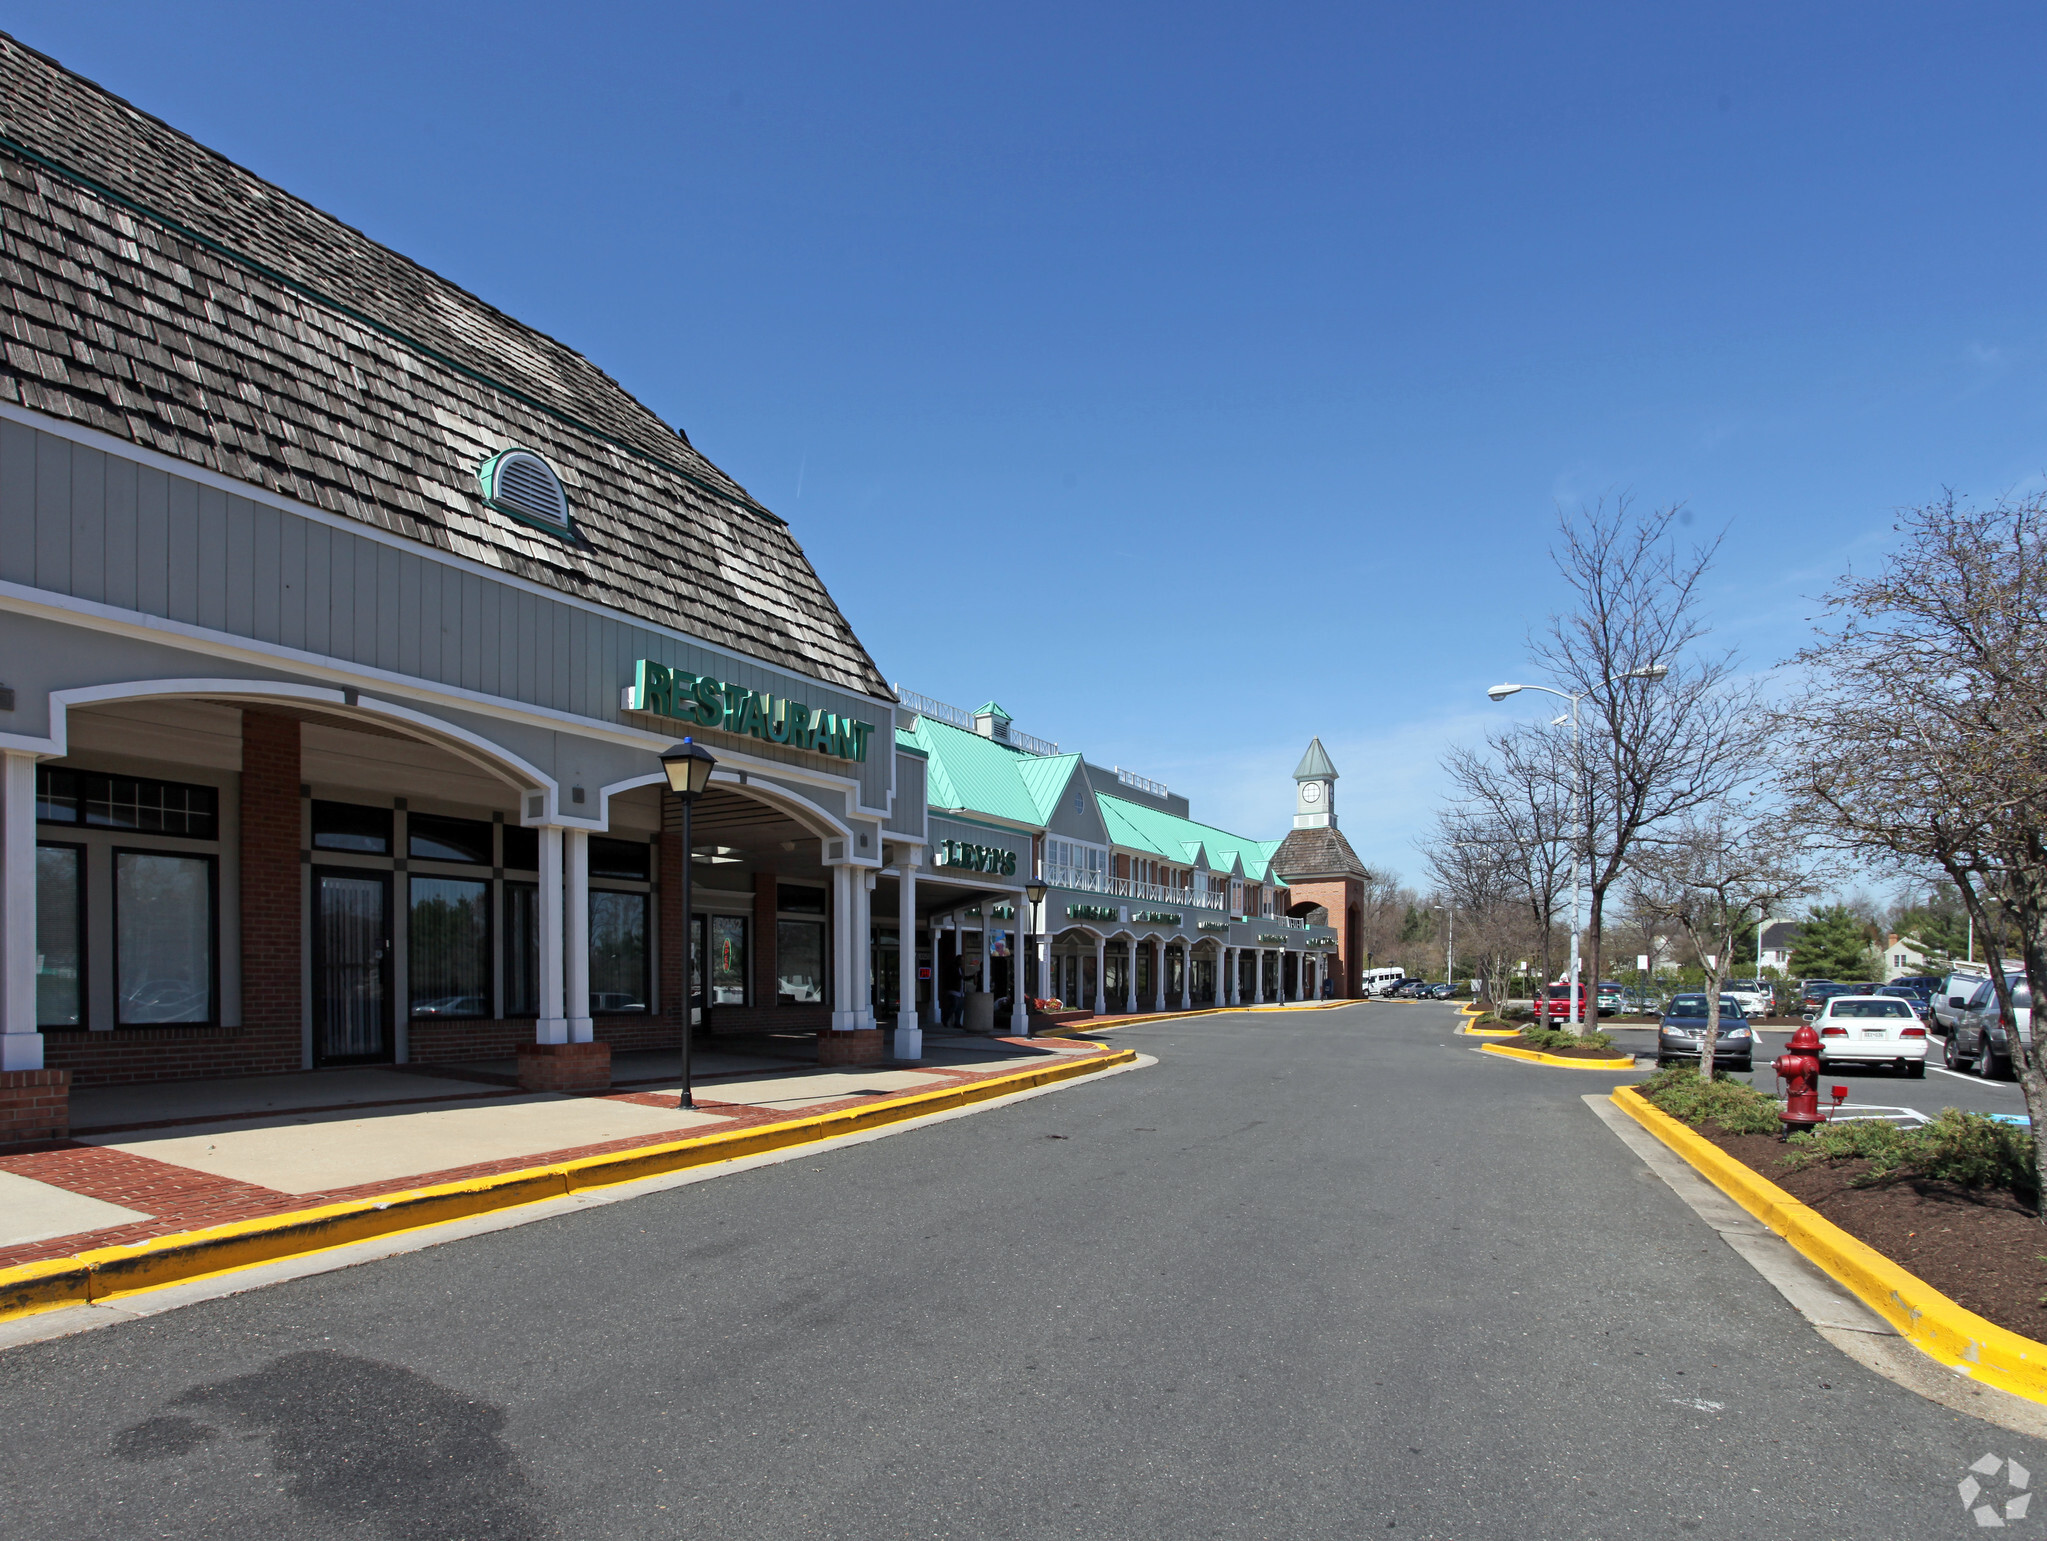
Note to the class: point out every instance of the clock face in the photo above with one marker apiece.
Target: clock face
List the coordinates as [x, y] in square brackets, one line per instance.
[1311, 791]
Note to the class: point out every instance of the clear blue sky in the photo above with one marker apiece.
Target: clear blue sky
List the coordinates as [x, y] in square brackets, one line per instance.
[1195, 379]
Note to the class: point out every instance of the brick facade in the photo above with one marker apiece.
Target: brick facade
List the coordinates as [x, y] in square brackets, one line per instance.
[35, 1105]
[273, 1009]
[1343, 898]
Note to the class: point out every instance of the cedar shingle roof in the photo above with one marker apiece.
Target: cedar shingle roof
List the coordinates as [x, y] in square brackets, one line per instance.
[1323, 852]
[156, 291]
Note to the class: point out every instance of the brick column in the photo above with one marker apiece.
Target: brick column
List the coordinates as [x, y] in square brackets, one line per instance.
[272, 1003]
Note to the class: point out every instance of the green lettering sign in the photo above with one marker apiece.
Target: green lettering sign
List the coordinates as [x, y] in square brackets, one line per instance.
[711, 703]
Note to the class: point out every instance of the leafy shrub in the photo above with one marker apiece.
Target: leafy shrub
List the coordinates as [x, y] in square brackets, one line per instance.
[1560, 1038]
[1733, 1107]
[1966, 1149]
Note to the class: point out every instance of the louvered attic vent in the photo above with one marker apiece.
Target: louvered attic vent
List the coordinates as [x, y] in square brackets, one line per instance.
[518, 482]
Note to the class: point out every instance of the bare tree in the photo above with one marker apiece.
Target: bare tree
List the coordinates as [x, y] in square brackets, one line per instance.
[1664, 730]
[1483, 886]
[1925, 733]
[1714, 875]
[1514, 800]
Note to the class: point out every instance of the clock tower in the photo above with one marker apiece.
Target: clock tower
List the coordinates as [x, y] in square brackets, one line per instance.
[1315, 789]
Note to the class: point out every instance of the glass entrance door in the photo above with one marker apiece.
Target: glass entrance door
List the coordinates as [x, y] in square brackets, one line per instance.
[352, 966]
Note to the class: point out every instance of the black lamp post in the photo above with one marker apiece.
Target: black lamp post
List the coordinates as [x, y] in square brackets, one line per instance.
[688, 766]
[1034, 895]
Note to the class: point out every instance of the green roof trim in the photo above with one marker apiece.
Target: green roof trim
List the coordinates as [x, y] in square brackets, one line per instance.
[1150, 829]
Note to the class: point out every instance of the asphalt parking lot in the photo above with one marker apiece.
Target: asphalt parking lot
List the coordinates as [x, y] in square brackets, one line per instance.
[1942, 1088]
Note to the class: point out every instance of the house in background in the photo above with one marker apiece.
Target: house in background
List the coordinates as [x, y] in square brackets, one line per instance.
[1779, 937]
[1904, 956]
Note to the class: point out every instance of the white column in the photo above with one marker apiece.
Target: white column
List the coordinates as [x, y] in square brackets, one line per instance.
[1158, 976]
[845, 1002]
[552, 1027]
[909, 1042]
[1043, 944]
[864, 879]
[21, 1046]
[1130, 976]
[576, 933]
[1225, 977]
[1101, 977]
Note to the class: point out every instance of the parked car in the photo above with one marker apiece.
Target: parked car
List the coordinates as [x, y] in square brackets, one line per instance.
[1408, 989]
[1608, 997]
[1681, 1033]
[1871, 1030]
[1812, 993]
[1980, 1039]
[1556, 1002]
[1922, 1003]
[1755, 995]
[1442, 992]
[1951, 996]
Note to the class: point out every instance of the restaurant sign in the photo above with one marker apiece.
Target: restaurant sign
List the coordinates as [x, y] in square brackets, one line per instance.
[712, 703]
[1089, 912]
[1155, 918]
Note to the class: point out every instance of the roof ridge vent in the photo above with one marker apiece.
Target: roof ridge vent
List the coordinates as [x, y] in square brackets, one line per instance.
[519, 483]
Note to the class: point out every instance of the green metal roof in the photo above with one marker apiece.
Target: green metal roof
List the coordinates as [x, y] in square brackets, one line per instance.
[1315, 764]
[973, 773]
[1046, 778]
[1148, 829]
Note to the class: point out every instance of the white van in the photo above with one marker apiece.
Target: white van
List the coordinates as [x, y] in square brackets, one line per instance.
[1377, 981]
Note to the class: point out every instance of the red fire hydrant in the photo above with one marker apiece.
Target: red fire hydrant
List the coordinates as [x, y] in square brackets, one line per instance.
[1799, 1069]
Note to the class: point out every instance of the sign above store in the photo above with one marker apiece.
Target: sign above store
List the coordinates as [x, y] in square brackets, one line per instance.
[1156, 918]
[1211, 925]
[712, 703]
[1089, 912]
[977, 858]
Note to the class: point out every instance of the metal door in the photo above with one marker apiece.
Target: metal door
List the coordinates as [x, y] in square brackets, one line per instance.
[352, 965]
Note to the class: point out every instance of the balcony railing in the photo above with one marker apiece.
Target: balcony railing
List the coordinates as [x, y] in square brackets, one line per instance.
[1093, 880]
[953, 716]
[1130, 778]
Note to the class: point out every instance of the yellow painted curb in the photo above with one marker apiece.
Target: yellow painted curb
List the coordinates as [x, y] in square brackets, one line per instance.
[1537, 1057]
[106, 1272]
[1935, 1325]
[1471, 1030]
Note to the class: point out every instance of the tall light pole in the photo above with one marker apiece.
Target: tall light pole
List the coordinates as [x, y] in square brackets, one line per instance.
[1652, 671]
[1449, 946]
[688, 766]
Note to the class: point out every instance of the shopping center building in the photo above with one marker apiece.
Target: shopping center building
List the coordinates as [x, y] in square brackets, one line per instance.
[1144, 908]
[343, 624]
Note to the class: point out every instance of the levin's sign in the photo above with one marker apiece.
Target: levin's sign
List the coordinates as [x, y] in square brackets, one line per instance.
[712, 703]
[977, 858]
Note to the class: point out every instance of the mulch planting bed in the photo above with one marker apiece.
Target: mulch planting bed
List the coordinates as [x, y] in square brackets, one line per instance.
[1986, 1251]
[1611, 1052]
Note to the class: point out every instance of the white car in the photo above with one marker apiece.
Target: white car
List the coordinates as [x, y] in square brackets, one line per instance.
[1755, 996]
[1871, 1030]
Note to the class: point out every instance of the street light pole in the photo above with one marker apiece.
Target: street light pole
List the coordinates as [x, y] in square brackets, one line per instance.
[1582, 834]
[1450, 946]
[688, 767]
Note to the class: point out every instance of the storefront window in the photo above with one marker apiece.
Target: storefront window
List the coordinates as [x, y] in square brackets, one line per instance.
[163, 938]
[618, 951]
[629, 859]
[60, 936]
[728, 960]
[430, 837]
[127, 802]
[799, 961]
[522, 949]
[352, 827]
[449, 962]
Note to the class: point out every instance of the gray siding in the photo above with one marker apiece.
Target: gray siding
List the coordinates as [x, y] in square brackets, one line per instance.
[907, 815]
[80, 522]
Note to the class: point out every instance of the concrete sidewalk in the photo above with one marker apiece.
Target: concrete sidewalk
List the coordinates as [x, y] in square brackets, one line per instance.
[152, 1161]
